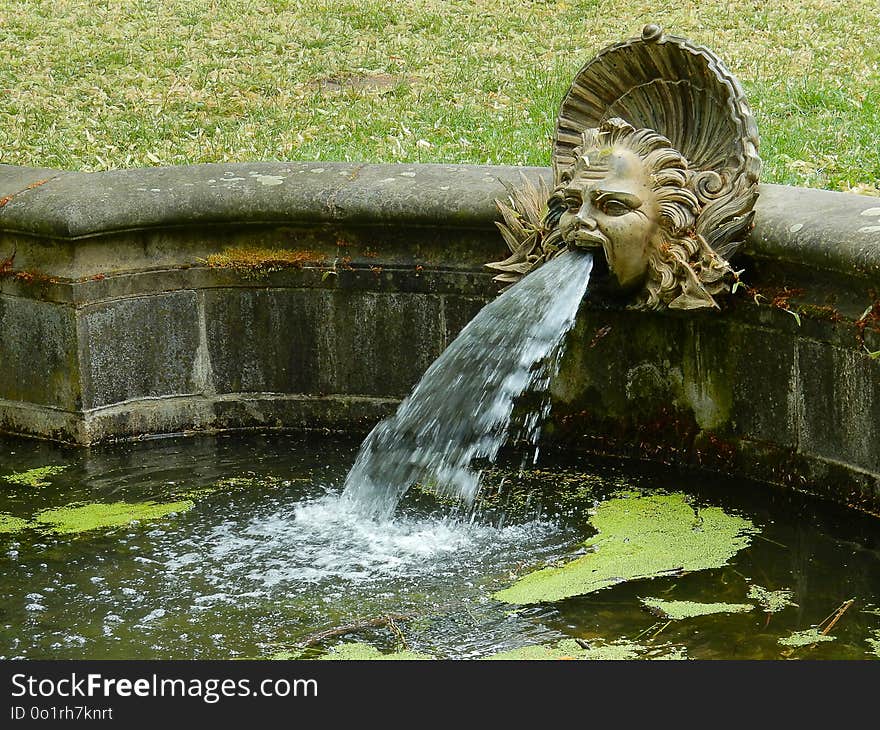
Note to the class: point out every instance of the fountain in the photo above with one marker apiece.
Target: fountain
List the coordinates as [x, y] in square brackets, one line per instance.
[663, 217]
[657, 304]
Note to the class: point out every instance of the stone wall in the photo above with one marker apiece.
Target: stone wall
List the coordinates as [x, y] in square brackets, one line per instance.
[114, 325]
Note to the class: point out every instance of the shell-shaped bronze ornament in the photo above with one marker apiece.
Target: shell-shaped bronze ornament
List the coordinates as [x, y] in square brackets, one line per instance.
[685, 94]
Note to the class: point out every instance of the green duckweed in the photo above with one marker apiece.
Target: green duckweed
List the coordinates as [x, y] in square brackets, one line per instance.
[619, 650]
[678, 610]
[73, 519]
[805, 638]
[874, 642]
[8, 523]
[34, 477]
[638, 537]
[358, 651]
[771, 601]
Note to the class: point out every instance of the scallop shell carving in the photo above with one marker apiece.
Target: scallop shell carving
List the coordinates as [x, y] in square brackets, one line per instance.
[687, 94]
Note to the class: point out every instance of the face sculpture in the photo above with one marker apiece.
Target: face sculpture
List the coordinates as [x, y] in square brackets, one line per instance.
[610, 204]
[627, 195]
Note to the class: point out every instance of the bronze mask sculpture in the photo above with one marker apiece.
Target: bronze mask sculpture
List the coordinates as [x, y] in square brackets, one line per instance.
[655, 168]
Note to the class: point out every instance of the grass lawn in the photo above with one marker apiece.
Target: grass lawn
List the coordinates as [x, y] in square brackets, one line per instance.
[93, 85]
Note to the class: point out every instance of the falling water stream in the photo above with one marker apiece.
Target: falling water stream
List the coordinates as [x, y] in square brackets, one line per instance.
[460, 411]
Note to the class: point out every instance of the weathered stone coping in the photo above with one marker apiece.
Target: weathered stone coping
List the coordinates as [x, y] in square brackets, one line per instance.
[73, 205]
[822, 229]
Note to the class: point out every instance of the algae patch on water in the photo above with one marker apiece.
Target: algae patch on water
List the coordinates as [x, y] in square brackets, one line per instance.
[364, 652]
[34, 477]
[805, 638]
[874, 643]
[678, 610]
[619, 650]
[233, 484]
[81, 518]
[8, 523]
[639, 537]
[771, 601]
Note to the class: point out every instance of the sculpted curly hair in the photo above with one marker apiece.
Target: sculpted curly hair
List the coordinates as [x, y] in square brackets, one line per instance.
[684, 272]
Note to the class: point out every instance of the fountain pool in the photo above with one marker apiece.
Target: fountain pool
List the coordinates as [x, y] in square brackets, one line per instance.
[258, 559]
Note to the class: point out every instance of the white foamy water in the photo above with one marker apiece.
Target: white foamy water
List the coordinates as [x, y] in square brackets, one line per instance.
[460, 411]
[326, 539]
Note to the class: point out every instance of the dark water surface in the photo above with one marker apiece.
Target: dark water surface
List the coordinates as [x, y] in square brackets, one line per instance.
[271, 558]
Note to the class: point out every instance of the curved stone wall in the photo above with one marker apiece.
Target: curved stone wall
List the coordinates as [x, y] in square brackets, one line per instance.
[118, 321]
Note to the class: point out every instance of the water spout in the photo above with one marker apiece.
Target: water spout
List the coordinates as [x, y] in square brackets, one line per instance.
[460, 410]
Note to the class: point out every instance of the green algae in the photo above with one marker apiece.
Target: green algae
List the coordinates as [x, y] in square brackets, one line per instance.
[771, 601]
[34, 477]
[286, 655]
[75, 518]
[805, 638]
[874, 642]
[638, 537]
[359, 651]
[8, 523]
[619, 650]
[678, 610]
[232, 484]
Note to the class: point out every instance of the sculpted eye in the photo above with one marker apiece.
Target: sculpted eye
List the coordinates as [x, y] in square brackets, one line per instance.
[572, 202]
[610, 206]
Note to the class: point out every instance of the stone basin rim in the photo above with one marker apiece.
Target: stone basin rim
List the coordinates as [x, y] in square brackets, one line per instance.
[812, 227]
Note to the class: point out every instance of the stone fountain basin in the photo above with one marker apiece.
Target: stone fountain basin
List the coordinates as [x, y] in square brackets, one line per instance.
[116, 325]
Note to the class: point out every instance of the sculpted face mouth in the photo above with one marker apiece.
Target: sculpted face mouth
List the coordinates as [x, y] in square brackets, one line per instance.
[585, 238]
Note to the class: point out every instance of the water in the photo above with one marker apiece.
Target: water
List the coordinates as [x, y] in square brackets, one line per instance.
[460, 411]
[259, 568]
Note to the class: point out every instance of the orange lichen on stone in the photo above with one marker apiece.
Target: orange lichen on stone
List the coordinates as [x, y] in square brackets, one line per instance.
[255, 261]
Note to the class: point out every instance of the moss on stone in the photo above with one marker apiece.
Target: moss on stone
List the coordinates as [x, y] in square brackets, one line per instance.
[805, 638]
[75, 518]
[771, 601]
[34, 477]
[639, 537]
[678, 610]
[359, 651]
[8, 523]
[255, 263]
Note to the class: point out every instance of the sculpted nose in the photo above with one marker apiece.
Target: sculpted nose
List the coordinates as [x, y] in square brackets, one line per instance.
[584, 215]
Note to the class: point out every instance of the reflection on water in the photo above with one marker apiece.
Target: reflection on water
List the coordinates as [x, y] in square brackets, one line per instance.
[272, 557]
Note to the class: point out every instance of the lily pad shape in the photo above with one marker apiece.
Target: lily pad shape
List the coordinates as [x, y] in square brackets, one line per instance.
[80, 518]
[639, 537]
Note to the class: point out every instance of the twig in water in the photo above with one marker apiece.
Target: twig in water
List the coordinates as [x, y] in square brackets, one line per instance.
[657, 632]
[398, 634]
[642, 633]
[767, 539]
[835, 617]
[388, 620]
[832, 619]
